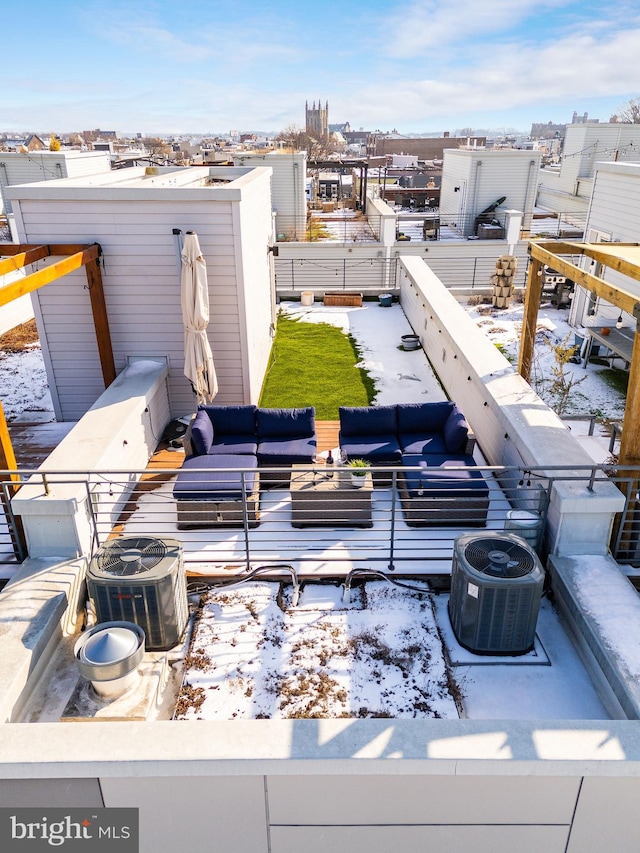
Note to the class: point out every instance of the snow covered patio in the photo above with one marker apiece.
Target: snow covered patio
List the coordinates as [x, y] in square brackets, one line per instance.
[384, 651]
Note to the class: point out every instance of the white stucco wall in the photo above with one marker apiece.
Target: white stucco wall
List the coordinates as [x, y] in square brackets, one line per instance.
[513, 425]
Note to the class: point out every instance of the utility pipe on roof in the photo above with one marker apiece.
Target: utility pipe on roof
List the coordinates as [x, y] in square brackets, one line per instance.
[476, 181]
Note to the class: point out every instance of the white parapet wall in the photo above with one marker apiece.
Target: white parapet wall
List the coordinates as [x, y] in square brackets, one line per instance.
[118, 433]
[512, 423]
[363, 786]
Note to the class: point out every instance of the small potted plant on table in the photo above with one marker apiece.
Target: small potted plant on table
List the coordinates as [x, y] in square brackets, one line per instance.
[358, 469]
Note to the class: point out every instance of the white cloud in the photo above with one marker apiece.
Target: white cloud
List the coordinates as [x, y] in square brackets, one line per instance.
[428, 24]
[571, 68]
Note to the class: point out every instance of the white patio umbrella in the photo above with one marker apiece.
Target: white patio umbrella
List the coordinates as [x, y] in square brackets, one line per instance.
[194, 297]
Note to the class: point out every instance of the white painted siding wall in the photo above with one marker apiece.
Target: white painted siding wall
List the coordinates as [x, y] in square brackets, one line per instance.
[141, 275]
[585, 147]
[288, 183]
[483, 177]
[455, 173]
[615, 212]
[16, 168]
[80, 163]
[16, 312]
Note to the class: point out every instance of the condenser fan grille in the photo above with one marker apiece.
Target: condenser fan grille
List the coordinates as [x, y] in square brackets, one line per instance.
[498, 558]
[131, 556]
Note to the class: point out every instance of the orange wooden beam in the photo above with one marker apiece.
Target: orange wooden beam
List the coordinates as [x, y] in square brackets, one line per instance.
[530, 318]
[48, 274]
[8, 250]
[8, 463]
[101, 321]
[22, 259]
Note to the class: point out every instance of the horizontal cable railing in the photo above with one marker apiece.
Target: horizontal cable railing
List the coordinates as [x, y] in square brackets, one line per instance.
[419, 222]
[402, 518]
[365, 275]
[371, 275]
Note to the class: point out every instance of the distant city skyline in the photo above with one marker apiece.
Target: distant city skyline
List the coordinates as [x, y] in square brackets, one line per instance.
[155, 66]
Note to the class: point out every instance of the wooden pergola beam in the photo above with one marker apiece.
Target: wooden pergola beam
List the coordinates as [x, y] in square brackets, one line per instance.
[101, 320]
[530, 319]
[8, 250]
[623, 299]
[48, 274]
[23, 259]
[74, 257]
[625, 259]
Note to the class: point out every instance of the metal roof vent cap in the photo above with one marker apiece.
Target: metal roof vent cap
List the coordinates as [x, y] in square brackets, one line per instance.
[108, 655]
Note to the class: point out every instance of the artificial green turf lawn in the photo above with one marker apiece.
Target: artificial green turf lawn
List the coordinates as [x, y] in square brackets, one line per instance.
[314, 364]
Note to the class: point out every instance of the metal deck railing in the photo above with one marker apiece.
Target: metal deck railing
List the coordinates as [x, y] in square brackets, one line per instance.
[380, 526]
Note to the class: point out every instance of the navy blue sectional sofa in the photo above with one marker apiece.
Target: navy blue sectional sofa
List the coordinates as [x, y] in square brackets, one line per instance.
[274, 436]
[431, 439]
[239, 437]
[246, 437]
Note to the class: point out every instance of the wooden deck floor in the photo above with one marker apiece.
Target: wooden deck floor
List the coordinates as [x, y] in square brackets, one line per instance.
[165, 459]
[326, 431]
[33, 442]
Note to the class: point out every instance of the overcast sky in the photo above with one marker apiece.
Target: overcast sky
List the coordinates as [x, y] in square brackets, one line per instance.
[417, 66]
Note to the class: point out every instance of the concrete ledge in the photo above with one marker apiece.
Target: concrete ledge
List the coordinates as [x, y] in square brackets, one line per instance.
[320, 747]
[603, 610]
[119, 432]
[38, 605]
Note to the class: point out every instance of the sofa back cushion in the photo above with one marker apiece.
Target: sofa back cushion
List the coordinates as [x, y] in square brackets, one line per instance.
[456, 430]
[232, 420]
[423, 417]
[286, 423]
[368, 420]
[201, 433]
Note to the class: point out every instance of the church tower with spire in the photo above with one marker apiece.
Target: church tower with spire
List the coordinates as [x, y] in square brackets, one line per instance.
[317, 119]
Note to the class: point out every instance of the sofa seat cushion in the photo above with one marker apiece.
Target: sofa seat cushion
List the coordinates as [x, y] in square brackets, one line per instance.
[285, 423]
[286, 451]
[362, 421]
[242, 445]
[200, 478]
[421, 443]
[375, 448]
[437, 480]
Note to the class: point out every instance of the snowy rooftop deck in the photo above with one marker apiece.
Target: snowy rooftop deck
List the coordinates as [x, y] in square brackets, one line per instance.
[384, 651]
[257, 644]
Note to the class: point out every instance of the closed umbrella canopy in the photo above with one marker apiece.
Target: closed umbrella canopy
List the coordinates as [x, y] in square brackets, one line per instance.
[194, 297]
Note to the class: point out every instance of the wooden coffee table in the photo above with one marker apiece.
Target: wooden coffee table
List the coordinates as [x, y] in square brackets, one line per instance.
[319, 500]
